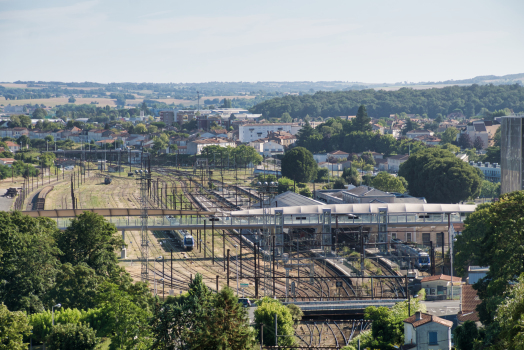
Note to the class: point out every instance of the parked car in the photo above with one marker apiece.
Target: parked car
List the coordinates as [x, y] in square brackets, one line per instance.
[245, 302]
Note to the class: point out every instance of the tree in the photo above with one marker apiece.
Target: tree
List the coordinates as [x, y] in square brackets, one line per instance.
[265, 314]
[224, 326]
[140, 128]
[478, 143]
[449, 136]
[72, 336]
[72, 99]
[464, 336]
[13, 327]
[160, 143]
[49, 138]
[389, 183]
[440, 177]
[322, 175]
[493, 154]
[75, 287]
[306, 192]
[464, 141]
[387, 328]
[509, 314]
[91, 239]
[286, 118]
[227, 103]
[27, 260]
[450, 147]
[298, 164]
[339, 183]
[39, 113]
[23, 140]
[296, 312]
[351, 175]
[489, 189]
[152, 129]
[490, 238]
[362, 121]
[410, 125]
[127, 320]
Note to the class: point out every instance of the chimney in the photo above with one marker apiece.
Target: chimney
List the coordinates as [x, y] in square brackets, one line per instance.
[418, 316]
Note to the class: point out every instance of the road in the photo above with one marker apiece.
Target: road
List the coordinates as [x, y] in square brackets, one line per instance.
[442, 307]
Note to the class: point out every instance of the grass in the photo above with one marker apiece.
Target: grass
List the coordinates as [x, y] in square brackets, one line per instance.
[52, 102]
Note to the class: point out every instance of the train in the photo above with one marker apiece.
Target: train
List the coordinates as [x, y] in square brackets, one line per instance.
[185, 238]
[416, 256]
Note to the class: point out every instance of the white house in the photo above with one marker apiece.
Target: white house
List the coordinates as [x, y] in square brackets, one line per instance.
[424, 331]
[419, 132]
[271, 147]
[252, 132]
[196, 146]
[395, 161]
[338, 155]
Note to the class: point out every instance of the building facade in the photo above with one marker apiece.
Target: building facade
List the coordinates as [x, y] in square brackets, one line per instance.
[511, 154]
[252, 132]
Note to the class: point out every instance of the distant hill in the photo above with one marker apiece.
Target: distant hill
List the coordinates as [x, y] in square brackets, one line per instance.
[468, 99]
[489, 79]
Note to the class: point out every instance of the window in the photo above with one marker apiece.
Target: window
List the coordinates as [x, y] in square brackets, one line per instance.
[426, 238]
[432, 336]
[408, 236]
[393, 235]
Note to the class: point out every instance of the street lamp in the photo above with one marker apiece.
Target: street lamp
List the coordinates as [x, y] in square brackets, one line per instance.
[53, 313]
[236, 251]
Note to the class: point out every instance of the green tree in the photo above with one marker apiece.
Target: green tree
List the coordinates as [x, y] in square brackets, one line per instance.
[298, 164]
[306, 192]
[285, 184]
[362, 120]
[322, 175]
[478, 143]
[140, 128]
[286, 118]
[464, 141]
[351, 175]
[296, 312]
[449, 136]
[224, 326]
[27, 260]
[410, 125]
[91, 239]
[387, 328]
[450, 147]
[265, 314]
[127, 320]
[510, 316]
[464, 336]
[339, 184]
[389, 183]
[13, 327]
[72, 99]
[160, 142]
[489, 189]
[440, 177]
[152, 129]
[75, 287]
[39, 113]
[72, 336]
[493, 154]
[489, 239]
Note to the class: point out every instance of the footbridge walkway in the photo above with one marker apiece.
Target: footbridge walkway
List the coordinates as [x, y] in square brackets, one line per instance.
[343, 215]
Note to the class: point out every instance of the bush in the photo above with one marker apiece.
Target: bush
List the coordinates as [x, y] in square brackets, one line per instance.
[306, 192]
[72, 336]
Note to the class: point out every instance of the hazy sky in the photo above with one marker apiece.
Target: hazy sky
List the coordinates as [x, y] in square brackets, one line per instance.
[285, 40]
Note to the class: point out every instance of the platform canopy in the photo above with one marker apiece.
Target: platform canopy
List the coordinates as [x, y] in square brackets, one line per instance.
[69, 213]
[365, 208]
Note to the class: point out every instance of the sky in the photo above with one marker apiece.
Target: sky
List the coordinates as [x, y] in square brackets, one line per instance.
[162, 41]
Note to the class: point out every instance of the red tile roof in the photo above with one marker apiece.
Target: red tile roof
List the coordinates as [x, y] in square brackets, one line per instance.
[427, 318]
[441, 277]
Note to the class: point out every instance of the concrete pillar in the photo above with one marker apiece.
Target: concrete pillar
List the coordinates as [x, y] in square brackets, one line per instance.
[123, 253]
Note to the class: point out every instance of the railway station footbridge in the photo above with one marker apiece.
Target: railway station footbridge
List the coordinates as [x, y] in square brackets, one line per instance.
[381, 215]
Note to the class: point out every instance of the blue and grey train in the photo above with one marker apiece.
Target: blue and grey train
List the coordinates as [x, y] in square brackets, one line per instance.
[185, 238]
[189, 242]
[416, 256]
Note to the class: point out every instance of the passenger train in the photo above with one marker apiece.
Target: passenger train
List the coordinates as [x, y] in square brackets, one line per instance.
[416, 256]
[185, 238]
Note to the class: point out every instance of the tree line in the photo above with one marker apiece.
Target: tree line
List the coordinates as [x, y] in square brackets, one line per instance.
[470, 100]
[74, 276]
